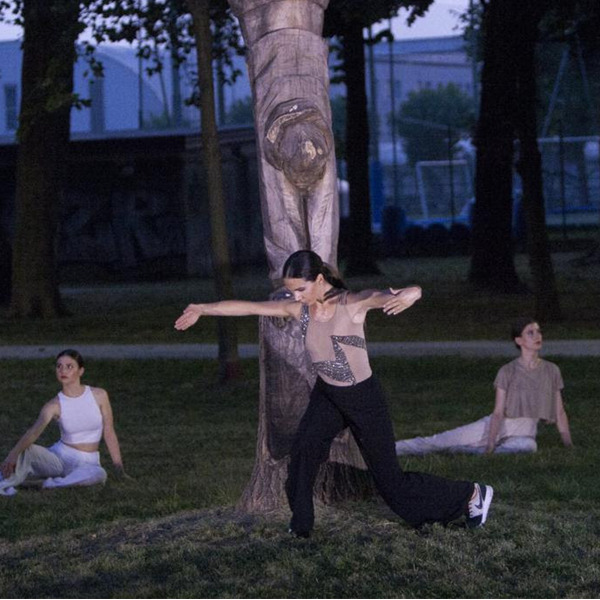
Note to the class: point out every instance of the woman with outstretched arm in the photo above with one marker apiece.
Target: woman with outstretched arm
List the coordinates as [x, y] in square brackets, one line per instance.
[346, 394]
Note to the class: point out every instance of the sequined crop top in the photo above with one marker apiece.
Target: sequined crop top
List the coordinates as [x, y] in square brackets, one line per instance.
[337, 347]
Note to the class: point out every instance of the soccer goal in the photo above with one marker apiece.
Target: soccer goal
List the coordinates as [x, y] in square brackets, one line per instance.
[445, 189]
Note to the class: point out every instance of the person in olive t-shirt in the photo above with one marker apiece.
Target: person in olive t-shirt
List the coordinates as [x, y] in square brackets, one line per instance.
[528, 390]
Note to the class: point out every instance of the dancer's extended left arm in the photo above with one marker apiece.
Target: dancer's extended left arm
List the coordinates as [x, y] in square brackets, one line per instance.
[393, 300]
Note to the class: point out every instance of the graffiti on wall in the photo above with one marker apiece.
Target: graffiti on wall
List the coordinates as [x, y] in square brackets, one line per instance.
[122, 229]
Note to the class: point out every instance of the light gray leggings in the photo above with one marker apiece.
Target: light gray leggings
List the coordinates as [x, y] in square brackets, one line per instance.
[57, 466]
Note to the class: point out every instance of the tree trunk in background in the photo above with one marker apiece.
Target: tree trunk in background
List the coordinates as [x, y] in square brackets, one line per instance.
[547, 306]
[361, 259]
[288, 71]
[492, 262]
[50, 31]
[211, 151]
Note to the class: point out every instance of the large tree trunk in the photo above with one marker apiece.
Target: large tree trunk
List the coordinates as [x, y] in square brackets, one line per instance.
[547, 307]
[227, 330]
[50, 31]
[361, 259]
[287, 65]
[492, 263]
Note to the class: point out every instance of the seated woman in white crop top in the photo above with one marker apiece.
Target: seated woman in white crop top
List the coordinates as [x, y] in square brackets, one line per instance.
[84, 416]
[528, 390]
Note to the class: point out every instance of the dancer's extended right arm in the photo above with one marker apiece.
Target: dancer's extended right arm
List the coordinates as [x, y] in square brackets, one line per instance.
[238, 308]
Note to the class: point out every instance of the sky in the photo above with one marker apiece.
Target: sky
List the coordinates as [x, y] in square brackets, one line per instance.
[440, 20]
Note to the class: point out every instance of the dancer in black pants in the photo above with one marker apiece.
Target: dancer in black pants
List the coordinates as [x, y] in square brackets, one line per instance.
[347, 394]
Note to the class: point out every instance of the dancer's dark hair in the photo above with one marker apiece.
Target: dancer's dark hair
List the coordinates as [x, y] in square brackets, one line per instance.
[306, 264]
[76, 356]
[516, 329]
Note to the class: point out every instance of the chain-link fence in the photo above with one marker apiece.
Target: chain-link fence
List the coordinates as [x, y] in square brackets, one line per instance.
[442, 190]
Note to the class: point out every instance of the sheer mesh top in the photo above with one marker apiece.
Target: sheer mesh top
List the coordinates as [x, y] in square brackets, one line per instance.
[337, 347]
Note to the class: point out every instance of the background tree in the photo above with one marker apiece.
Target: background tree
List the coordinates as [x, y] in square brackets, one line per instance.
[492, 262]
[287, 66]
[201, 14]
[446, 106]
[529, 164]
[346, 20]
[508, 105]
[288, 71]
[51, 28]
[180, 27]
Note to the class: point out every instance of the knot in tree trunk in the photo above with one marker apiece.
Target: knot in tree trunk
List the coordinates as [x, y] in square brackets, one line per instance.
[298, 142]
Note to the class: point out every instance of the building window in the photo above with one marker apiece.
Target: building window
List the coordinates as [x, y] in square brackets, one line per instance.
[10, 102]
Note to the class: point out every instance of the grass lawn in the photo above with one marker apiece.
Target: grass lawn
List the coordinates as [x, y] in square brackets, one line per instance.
[449, 310]
[189, 444]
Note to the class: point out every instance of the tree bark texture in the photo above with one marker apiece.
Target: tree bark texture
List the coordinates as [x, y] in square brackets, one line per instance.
[227, 328]
[287, 66]
[492, 262]
[50, 31]
[529, 165]
[361, 259]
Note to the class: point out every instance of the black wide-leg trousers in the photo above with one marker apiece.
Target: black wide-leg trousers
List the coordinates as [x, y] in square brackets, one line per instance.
[416, 497]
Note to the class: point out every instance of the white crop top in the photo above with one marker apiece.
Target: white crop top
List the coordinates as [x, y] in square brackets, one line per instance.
[80, 419]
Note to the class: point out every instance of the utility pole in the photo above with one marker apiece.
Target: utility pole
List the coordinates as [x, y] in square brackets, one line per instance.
[393, 115]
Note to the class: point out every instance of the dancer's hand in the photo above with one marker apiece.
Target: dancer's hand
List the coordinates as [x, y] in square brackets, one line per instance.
[401, 300]
[190, 315]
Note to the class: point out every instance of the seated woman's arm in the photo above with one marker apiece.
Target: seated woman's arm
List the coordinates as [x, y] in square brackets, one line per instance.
[50, 410]
[108, 428]
[562, 421]
[496, 420]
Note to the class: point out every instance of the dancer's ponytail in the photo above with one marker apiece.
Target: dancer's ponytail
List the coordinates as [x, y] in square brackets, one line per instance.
[333, 277]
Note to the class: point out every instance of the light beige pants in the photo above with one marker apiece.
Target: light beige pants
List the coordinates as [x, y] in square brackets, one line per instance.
[515, 435]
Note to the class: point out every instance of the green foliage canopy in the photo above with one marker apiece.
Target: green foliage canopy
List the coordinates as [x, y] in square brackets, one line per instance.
[429, 116]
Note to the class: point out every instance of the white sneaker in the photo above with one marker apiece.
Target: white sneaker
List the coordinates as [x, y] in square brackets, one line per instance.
[8, 491]
[479, 505]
